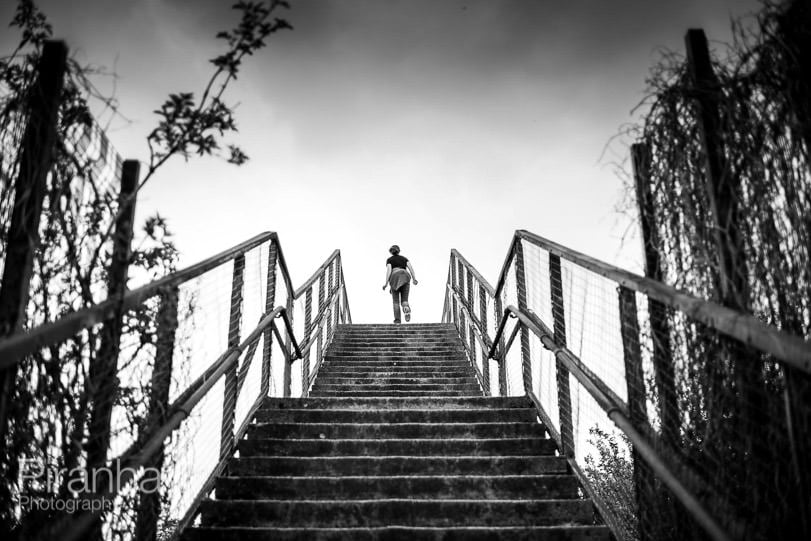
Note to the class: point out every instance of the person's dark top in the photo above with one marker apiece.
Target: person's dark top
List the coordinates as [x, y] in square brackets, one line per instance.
[397, 262]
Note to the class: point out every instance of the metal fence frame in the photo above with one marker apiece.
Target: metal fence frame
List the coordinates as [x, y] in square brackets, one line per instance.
[790, 350]
[332, 309]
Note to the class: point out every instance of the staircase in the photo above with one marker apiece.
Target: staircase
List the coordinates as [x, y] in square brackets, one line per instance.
[396, 441]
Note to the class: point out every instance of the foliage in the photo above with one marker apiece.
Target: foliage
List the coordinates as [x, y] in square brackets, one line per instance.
[53, 399]
[611, 476]
[733, 429]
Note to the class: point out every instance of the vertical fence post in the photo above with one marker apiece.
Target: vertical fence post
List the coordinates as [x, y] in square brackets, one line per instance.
[288, 366]
[230, 389]
[635, 385]
[36, 155]
[562, 373]
[454, 282]
[460, 284]
[723, 188]
[270, 300]
[308, 327]
[321, 309]
[723, 194]
[486, 335]
[502, 361]
[664, 373]
[471, 334]
[339, 294]
[331, 292]
[103, 370]
[146, 527]
[521, 287]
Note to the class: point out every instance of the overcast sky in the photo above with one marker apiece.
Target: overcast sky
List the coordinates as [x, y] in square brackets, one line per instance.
[430, 124]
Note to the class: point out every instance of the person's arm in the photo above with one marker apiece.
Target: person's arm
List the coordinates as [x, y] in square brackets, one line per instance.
[388, 274]
[411, 270]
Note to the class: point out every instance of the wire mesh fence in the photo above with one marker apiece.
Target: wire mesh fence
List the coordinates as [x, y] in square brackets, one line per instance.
[209, 346]
[677, 414]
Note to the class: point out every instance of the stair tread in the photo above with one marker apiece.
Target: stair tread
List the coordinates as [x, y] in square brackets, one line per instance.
[396, 440]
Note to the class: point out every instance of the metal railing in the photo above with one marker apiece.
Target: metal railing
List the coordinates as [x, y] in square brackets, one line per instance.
[190, 415]
[623, 388]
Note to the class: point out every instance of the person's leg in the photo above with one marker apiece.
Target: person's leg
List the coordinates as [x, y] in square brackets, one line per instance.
[404, 300]
[395, 299]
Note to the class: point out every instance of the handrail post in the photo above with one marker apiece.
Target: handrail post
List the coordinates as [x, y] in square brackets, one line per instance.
[635, 385]
[321, 310]
[270, 301]
[308, 327]
[502, 363]
[664, 373]
[454, 281]
[338, 296]
[103, 370]
[331, 286]
[486, 335]
[460, 291]
[230, 390]
[288, 366]
[562, 373]
[471, 328]
[146, 526]
[521, 287]
[446, 317]
[29, 192]
[723, 192]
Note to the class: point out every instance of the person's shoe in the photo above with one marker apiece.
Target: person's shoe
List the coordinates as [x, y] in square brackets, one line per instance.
[397, 321]
[407, 312]
[408, 316]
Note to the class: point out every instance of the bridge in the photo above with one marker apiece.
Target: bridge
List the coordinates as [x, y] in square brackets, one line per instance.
[570, 400]
[484, 425]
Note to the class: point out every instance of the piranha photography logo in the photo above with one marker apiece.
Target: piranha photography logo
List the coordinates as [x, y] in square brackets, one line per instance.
[48, 488]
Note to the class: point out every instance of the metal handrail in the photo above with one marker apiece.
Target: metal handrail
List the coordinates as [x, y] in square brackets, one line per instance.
[312, 279]
[479, 336]
[748, 329]
[139, 453]
[288, 283]
[490, 289]
[615, 411]
[15, 347]
[481, 333]
[745, 328]
[792, 350]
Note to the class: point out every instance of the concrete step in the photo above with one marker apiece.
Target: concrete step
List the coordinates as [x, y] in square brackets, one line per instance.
[347, 372]
[404, 351]
[335, 430]
[371, 386]
[364, 328]
[398, 465]
[332, 357]
[425, 512]
[478, 402]
[407, 336]
[395, 340]
[430, 415]
[403, 533]
[440, 487]
[414, 363]
[398, 370]
[395, 334]
[396, 447]
[395, 379]
[401, 394]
